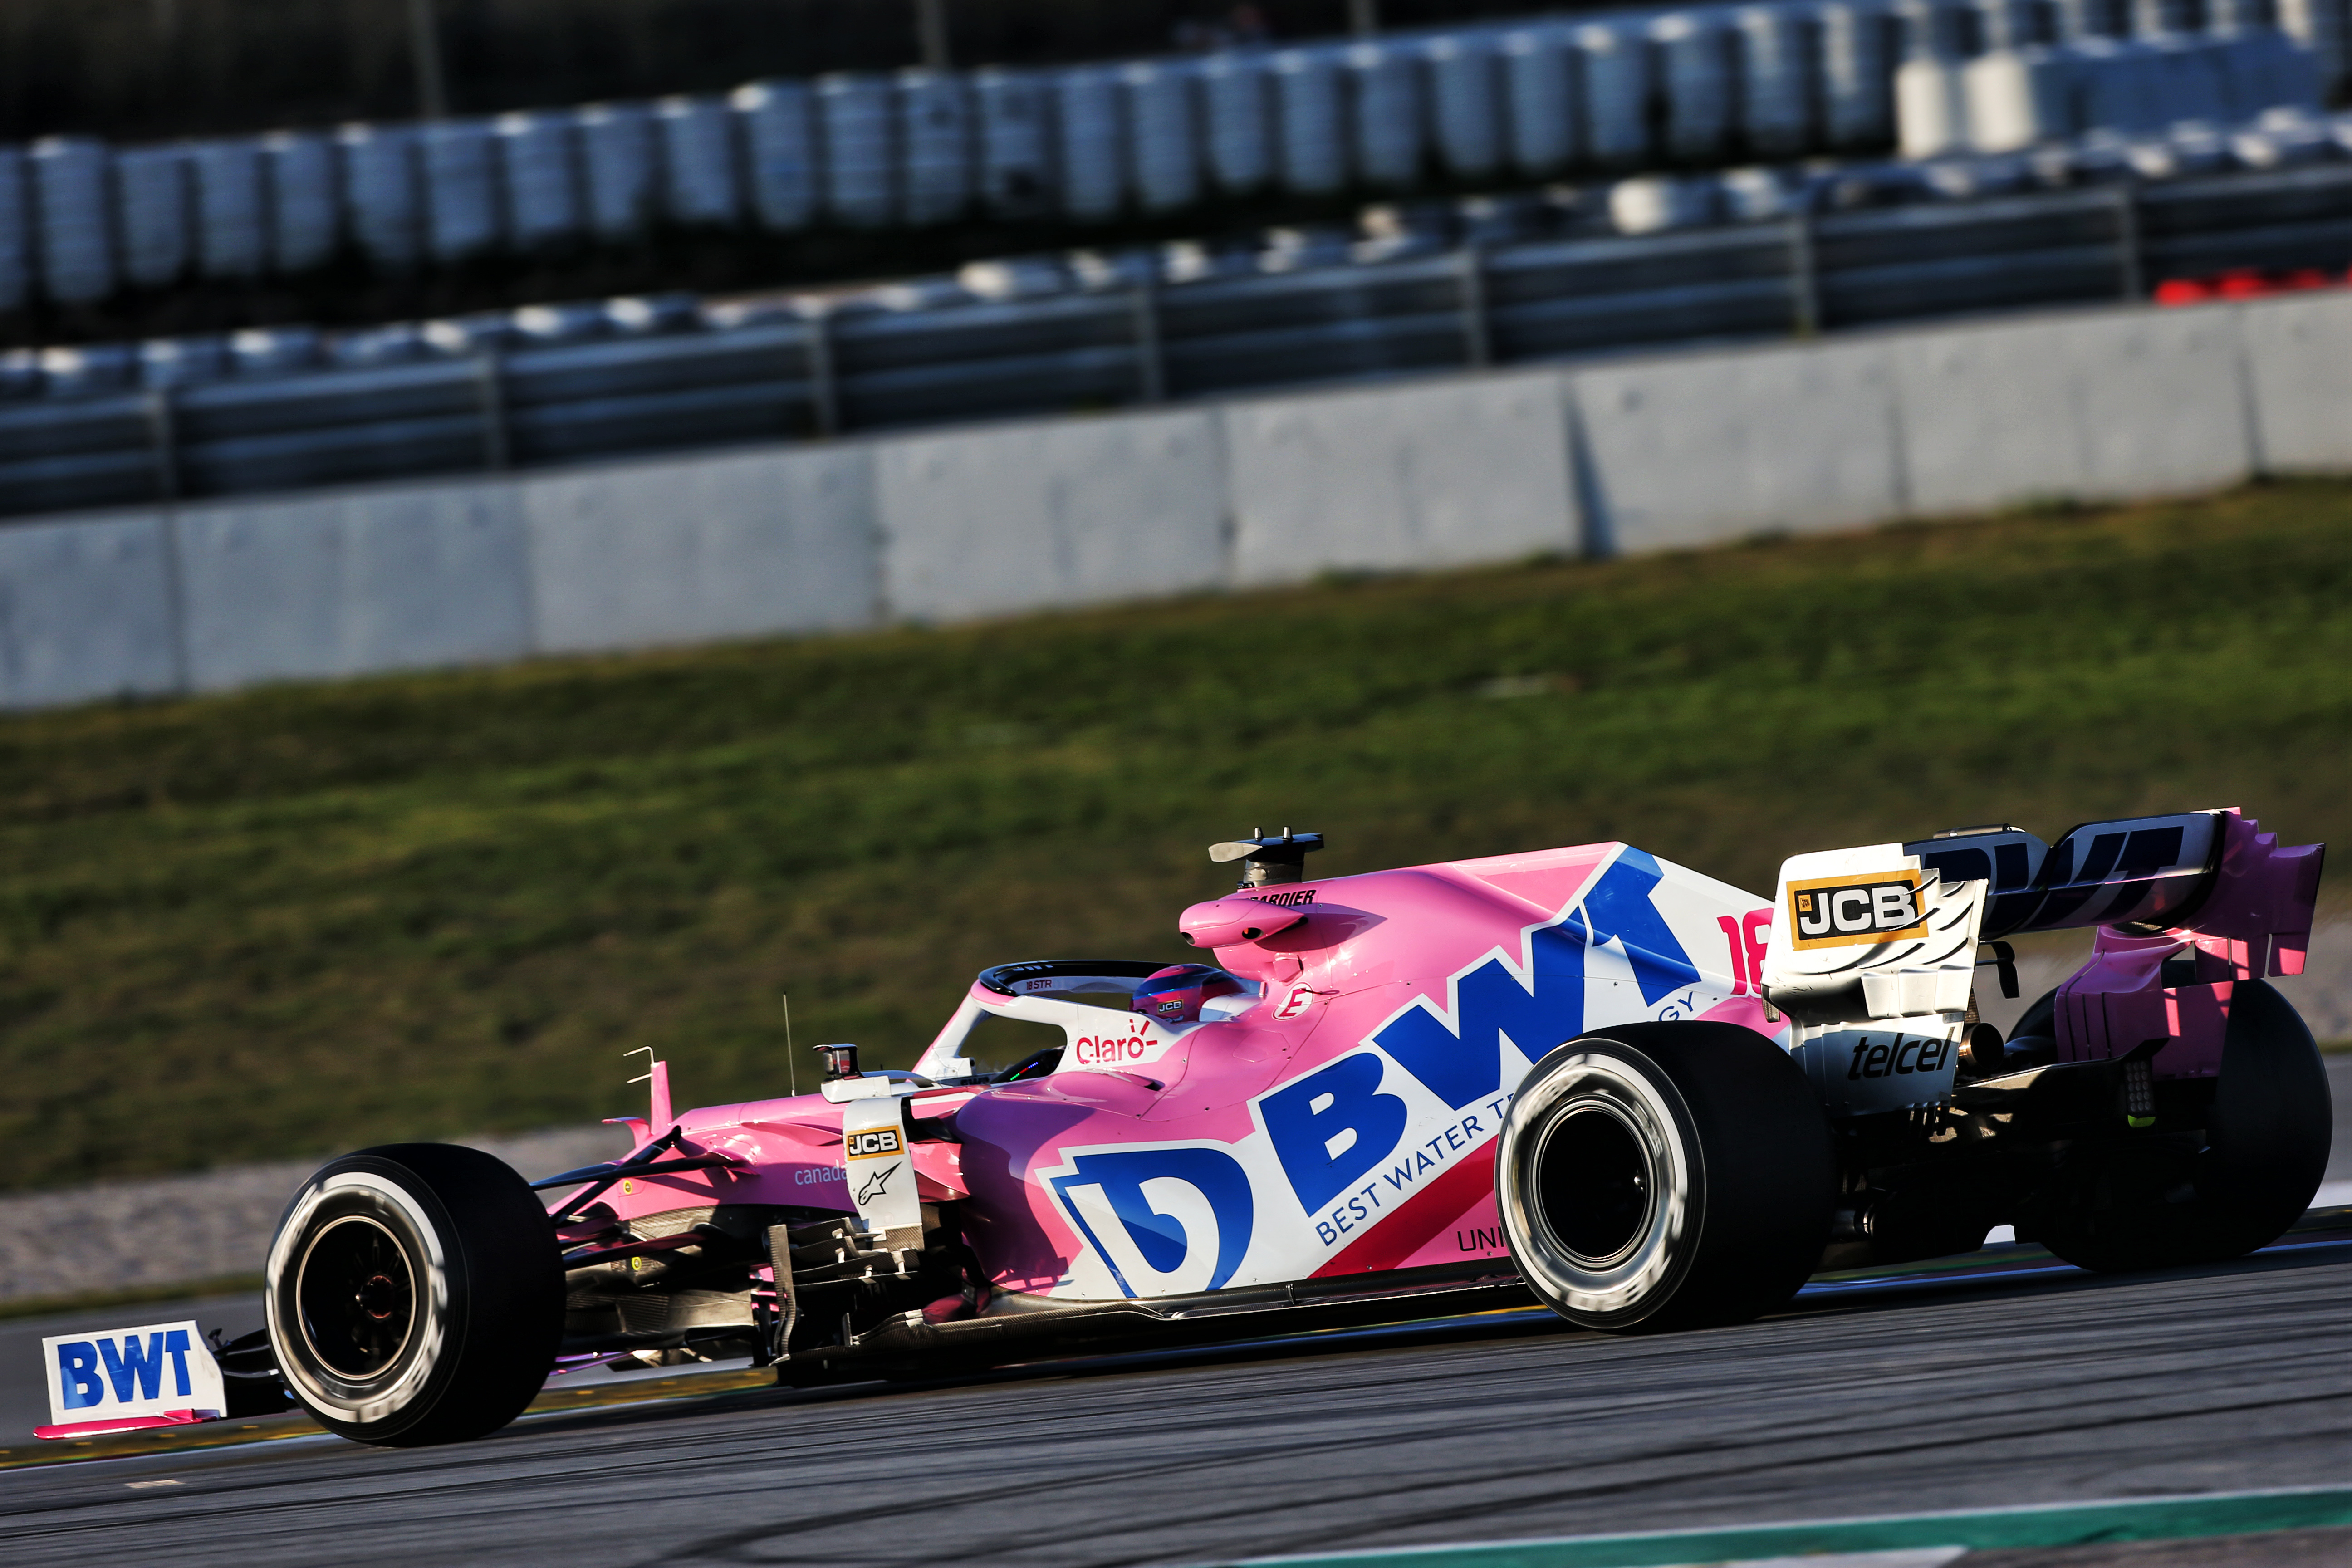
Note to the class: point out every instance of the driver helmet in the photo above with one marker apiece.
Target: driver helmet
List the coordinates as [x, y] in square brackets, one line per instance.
[1174, 995]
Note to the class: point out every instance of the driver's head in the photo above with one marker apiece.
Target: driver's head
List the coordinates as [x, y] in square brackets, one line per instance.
[1174, 995]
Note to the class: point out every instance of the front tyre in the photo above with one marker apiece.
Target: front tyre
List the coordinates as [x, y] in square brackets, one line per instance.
[414, 1295]
[1664, 1176]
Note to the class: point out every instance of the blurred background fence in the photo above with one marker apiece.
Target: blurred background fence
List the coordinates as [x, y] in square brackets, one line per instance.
[1621, 456]
[149, 70]
[1489, 283]
[1517, 101]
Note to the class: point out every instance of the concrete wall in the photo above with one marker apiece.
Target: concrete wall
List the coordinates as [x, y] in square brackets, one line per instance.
[2117, 405]
[342, 584]
[1698, 451]
[695, 549]
[86, 611]
[1672, 451]
[1448, 473]
[2298, 359]
[1027, 517]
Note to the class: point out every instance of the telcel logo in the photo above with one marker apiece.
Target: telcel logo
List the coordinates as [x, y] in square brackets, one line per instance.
[872, 1143]
[1846, 911]
[1897, 1056]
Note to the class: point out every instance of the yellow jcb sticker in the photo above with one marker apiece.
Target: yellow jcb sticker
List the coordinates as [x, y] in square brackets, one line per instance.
[1865, 906]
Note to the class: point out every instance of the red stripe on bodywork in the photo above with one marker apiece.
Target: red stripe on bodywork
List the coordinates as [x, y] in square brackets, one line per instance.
[124, 1424]
[1412, 1224]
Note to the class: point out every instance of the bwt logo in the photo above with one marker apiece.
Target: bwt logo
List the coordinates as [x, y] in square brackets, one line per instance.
[88, 1370]
[1331, 1128]
[1165, 1221]
[872, 1143]
[154, 1374]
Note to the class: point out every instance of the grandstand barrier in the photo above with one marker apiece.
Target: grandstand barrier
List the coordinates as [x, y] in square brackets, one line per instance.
[1051, 512]
[1604, 456]
[399, 577]
[1448, 473]
[2298, 359]
[1704, 448]
[86, 610]
[2100, 406]
[647, 554]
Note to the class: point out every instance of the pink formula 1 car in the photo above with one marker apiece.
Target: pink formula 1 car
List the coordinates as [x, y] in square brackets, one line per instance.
[1648, 1099]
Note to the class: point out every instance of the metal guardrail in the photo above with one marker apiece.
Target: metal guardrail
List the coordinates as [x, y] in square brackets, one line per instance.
[1144, 340]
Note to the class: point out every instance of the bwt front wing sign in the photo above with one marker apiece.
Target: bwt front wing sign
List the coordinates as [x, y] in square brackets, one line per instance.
[160, 1374]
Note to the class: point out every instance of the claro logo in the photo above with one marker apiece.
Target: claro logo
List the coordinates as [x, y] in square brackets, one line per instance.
[1109, 1050]
[872, 1143]
[1847, 911]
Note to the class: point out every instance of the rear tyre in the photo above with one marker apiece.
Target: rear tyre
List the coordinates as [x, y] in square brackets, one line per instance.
[1658, 1177]
[2266, 1140]
[414, 1295]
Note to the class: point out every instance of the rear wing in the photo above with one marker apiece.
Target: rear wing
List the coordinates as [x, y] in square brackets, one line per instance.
[1893, 928]
[2210, 874]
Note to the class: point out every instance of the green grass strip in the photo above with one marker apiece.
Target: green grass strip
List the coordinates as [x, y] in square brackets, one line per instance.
[280, 924]
[2054, 1524]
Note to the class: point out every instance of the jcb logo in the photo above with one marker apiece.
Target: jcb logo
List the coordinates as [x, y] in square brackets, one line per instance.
[1843, 911]
[872, 1144]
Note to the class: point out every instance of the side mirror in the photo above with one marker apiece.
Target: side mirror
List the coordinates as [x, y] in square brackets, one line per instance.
[1222, 922]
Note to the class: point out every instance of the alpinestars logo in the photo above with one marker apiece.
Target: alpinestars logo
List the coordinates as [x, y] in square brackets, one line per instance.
[1851, 910]
[874, 1185]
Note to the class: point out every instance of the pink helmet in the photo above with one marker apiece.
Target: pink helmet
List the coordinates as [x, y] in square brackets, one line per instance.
[1174, 995]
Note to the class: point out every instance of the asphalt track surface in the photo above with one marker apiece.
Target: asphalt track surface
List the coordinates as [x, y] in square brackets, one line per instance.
[2043, 1386]
[24, 1396]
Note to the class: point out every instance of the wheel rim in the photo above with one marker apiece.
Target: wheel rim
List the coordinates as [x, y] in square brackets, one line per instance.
[1596, 1188]
[356, 1297]
[1596, 1183]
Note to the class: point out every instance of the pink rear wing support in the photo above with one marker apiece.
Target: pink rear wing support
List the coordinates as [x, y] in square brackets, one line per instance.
[2175, 985]
[2258, 916]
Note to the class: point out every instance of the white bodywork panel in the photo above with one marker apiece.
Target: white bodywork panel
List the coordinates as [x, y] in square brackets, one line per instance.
[125, 1374]
[1873, 959]
[881, 1166]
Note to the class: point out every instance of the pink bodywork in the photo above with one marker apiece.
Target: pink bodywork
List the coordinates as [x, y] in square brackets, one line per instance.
[1336, 959]
[1395, 1011]
[2255, 923]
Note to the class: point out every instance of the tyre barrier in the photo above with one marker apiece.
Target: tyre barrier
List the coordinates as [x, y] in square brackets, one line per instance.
[1530, 99]
[1492, 281]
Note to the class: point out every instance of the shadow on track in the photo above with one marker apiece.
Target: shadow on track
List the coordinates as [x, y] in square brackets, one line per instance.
[2001, 1275]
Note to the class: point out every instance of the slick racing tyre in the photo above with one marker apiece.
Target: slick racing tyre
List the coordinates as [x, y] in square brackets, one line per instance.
[1662, 1176]
[414, 1295]
[2266, 1140]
